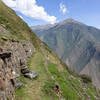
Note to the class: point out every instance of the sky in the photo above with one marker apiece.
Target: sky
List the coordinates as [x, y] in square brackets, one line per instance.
[41, 12]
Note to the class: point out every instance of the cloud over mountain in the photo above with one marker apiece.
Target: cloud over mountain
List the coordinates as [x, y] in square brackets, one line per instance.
[63, 8]
[31, 9]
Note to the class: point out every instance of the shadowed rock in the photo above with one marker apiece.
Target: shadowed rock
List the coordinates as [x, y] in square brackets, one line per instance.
[24, 71]
[28, 74]
[5, 55]
[31, 75]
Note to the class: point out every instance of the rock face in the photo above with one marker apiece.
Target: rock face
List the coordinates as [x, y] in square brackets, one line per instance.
[31, 74]
[28, 74]
[76, 44]
[13, 57]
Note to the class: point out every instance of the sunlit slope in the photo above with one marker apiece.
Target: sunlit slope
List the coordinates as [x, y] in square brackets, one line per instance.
[55, 80]
[76, 44]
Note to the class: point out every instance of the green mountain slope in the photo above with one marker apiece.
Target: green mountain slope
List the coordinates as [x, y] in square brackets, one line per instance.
[76, 44]
[20, 48]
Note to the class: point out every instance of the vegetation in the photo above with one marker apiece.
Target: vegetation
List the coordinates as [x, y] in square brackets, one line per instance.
[47, 64]
[86, 78]
[72, 88]
[76, 44]
[48, 87]
[16, 25]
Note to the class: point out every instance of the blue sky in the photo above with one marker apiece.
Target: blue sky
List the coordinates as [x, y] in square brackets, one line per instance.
[40, 12]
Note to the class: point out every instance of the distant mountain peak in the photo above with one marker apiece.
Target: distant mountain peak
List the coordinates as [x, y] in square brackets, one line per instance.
[70, 20]
[77, 44]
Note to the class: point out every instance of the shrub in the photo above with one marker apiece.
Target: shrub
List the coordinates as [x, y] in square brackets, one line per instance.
[49, 86]
[86, 78]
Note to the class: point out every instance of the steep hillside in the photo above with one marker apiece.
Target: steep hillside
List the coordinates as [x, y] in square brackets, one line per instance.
[76, 44]
[29, 70]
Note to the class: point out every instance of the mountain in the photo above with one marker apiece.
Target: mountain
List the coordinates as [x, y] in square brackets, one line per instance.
[77, 44]
[30, 70]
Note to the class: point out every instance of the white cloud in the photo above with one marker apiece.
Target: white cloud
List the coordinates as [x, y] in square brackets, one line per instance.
[63, 8]
[10, 3]
[31, 9]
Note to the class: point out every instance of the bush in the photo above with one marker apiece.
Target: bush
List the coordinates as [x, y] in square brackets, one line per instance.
[86, 78]
[49, 86]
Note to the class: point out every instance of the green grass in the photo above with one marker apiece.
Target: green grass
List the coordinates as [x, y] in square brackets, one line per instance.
[91, 96]
[72, 89]
[16, 25]
[41, 88]
[48, 89]
[21, 93]
[35, 88]
[68, 92]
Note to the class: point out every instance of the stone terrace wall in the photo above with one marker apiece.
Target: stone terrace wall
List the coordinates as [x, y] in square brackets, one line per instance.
[13, 57]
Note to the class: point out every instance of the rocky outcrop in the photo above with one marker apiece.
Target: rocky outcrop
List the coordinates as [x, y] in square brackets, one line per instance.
[28, 74]
[13, 57]
[3, 30]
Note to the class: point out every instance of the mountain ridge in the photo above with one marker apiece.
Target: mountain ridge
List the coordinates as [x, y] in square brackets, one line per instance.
[61, 22]
[75, 43]
[30, 70]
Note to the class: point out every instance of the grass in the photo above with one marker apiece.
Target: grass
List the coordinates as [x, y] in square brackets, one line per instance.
[48, 88]
[33, 87]
[72, 89]
[42, 87]
[36, 89]
[16, 25]
[68, 92]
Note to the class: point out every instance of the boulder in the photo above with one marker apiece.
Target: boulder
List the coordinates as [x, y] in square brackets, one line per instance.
[24, 71]
[31, 75]
[5, 55]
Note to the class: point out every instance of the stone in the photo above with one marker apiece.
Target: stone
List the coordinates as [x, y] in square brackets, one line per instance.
[3, 95]
[4, 38]
[13, 58]
[14, 76]
[62, 99]
[24, 71]
[31, 75]
[57, 86]
[18, 84]
[1, 50]
[5, 55]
